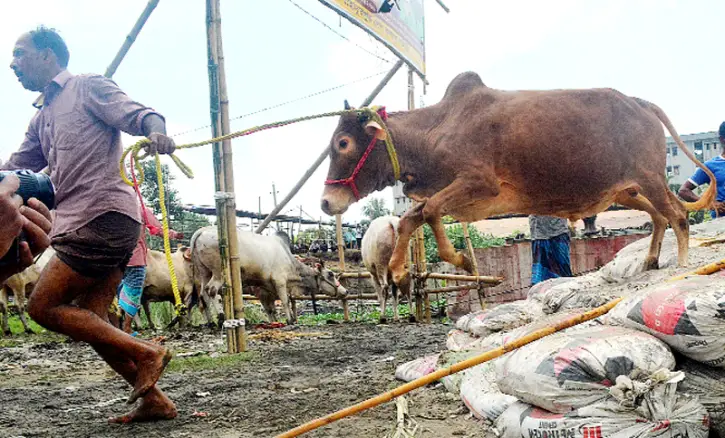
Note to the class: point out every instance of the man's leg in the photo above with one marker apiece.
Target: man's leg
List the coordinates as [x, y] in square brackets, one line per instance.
[50, 306]
[155, 405]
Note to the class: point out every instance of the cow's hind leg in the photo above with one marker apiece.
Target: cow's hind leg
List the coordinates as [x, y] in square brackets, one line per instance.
[681, 226]
[381, 289]
[659, 223]
[656, 191]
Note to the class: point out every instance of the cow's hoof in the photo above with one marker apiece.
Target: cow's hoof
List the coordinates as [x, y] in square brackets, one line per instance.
[29, 331]
[383, 320]
[412, 318]
[7, 333]
[651, 263]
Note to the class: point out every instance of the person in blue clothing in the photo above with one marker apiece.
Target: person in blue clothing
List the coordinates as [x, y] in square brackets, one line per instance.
[717, 167]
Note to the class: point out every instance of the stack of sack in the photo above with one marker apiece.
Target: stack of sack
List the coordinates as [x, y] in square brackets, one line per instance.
[653, 367]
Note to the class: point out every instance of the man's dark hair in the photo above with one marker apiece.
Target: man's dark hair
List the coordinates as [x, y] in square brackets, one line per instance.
[722, 130]
[48, 38]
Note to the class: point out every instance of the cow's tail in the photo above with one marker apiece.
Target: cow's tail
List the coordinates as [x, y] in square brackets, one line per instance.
[707, 200]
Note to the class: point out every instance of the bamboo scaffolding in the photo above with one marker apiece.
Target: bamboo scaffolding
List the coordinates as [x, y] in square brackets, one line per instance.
[488, 280]
[230, 201]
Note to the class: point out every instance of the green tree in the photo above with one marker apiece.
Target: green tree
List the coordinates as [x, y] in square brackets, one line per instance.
[180, 220]
[374, 209]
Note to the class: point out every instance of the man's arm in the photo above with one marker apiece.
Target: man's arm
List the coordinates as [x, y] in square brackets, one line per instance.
[108, 102]
[698, 178]
[686, 192]
[30, 155]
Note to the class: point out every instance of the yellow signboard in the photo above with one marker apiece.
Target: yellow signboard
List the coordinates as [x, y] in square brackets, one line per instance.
[402, 29]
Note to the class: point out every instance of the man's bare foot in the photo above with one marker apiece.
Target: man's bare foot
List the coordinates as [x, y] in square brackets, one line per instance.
[148, 374]
[154, 406]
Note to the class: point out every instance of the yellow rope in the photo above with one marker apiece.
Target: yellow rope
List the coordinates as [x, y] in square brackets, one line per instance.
[179, 304]
[136, 152]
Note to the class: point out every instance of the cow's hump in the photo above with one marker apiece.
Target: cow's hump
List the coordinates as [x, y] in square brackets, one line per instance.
[463, 84]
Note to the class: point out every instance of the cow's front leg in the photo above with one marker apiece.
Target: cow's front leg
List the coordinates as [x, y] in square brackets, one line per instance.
[460, 192]
[411, 220]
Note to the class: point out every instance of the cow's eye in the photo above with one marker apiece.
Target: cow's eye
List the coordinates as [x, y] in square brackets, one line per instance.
[343, 143]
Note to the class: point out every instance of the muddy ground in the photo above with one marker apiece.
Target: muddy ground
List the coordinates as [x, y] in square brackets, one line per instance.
[53, 388]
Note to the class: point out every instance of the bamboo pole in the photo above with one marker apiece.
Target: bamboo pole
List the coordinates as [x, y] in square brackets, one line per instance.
[383, 82]
[130, 38]
[447, 289]
[219, 185]
[340, 242]
[234, 262]
[323, 155]
[493, 281]
[474, 262]
[455, 368]
[345, 310]
[364, 274]
[419, 245]
[702, 270]
[329, 298]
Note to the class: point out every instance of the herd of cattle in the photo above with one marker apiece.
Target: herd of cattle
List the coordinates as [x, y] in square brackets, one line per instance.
[269, 271]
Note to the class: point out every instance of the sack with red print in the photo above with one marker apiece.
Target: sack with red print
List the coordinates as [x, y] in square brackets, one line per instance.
[688, 315]
[572, 369]
[648, 409]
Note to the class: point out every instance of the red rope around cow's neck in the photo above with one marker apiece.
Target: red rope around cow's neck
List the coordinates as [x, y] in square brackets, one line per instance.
[350, 181]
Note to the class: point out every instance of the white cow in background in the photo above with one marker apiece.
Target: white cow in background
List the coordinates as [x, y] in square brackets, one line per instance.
[377, 248]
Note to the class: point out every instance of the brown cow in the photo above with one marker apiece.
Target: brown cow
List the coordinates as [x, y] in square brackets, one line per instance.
[482, 152]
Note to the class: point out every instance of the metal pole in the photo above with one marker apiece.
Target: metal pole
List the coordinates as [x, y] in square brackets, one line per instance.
[234, 262]
[131, 37]
[323, 155]
[218, 170]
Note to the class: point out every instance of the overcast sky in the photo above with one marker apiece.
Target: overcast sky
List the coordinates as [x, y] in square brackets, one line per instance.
[665, 51]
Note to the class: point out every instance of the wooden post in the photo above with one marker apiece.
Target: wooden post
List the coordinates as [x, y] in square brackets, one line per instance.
[219, 170]
[345, 310]
[340, 242]
[130, 38]
[231, 210]
[474, 262]
[323, 155]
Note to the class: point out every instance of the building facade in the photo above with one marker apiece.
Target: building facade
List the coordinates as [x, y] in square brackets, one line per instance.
[401, 203]
[704, 145]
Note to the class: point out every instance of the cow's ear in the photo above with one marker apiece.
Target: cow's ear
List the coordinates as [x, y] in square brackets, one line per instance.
[373, 128]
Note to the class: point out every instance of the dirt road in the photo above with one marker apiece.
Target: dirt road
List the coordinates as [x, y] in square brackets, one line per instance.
[54, 388]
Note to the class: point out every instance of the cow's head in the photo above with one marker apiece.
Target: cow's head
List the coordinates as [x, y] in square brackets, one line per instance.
[355, 133]
[329, 282]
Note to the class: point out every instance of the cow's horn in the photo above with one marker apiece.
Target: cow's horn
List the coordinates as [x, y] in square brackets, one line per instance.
[347, 105]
